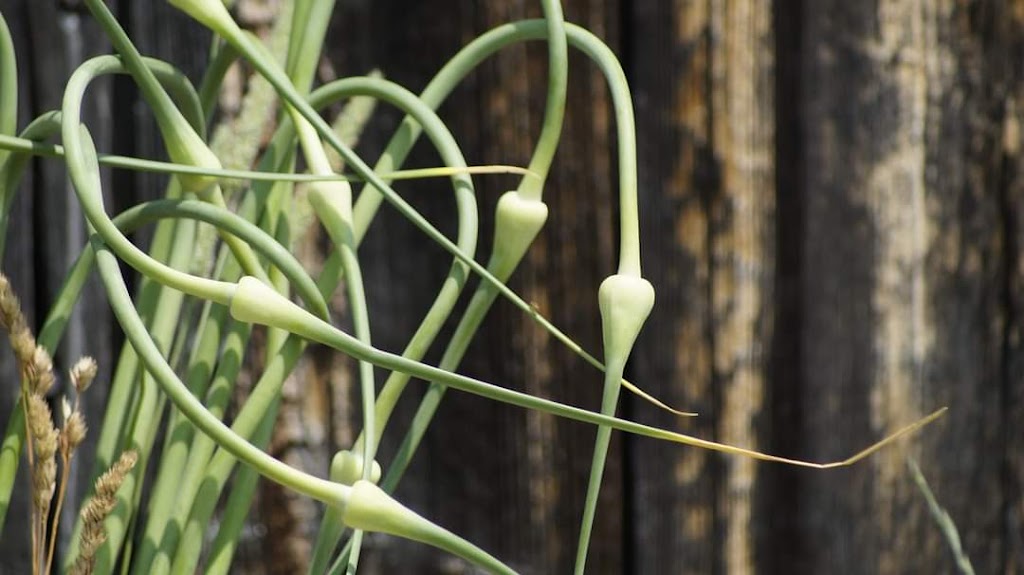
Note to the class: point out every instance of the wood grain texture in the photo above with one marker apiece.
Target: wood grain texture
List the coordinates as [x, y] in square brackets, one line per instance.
[19, 262]
[50, 41]
[902, 277]
[673, 507]
[1012, 192]
[708, 244]
[831, 214]
[528, 471]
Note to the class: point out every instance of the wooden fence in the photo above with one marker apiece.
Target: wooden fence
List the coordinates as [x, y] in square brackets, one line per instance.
[832, 204]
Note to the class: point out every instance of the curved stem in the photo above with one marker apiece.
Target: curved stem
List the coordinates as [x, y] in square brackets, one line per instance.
[269, 69]
[138, 216]
[160, 308]
[169, 525]
[135, 331]
[184, 143]
[253, 303]
[48, 124]
[451, 75]
[11, 172]
[378, 413]
[434, 94]
[554, 107]
[8, 121]
[84, 172]
[232, 223]
[282, 360]
[467, 224]
[332, 203]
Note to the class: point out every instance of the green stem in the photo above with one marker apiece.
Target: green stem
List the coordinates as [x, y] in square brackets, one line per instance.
[8, 122]
[110, 273]
[201, 484]
[554, 107]
[222, 55]
[10, 457]
[85, 171]
[8, 82]
[332, 203]
[337, 218]
[609, 400]
[280, 157]
[144, 165]
[237, 507]
[14, 435]
[244, 44]
[332, 526]
[127, 222]
[451, 155]
[452, 75]
[183, 142]
[140, 439]
[11, 173]
[469, 57]
[256, 303]
[234, 224]
[172, 487]
[283, 360]
[305, 43]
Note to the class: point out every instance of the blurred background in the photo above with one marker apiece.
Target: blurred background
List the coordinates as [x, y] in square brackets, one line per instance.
[832, 198]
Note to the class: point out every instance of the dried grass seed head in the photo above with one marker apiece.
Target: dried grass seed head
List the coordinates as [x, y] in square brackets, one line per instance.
[75, 429]
[83, 373]
[40, 372]
[96, 511]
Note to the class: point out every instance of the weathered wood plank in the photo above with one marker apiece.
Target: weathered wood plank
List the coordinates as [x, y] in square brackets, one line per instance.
[712, 209]
[673, 511]
[18, 264]
[1012, 190]
[901, 284]
[533, 514]
[741, 256]
[831, 203]
[51, 41]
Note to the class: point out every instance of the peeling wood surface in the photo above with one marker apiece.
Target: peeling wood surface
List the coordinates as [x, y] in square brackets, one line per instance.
[831, 195]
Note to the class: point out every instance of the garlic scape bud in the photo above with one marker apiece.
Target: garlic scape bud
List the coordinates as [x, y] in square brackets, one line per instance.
[518, 220]
[210, 13]
[371, 509]
[625, 302]
[347, 468]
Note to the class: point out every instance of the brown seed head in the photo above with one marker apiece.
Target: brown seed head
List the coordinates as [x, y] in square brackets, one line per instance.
[96, 511]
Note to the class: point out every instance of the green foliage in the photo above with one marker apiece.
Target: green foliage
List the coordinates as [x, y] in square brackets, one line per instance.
[254, 279]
